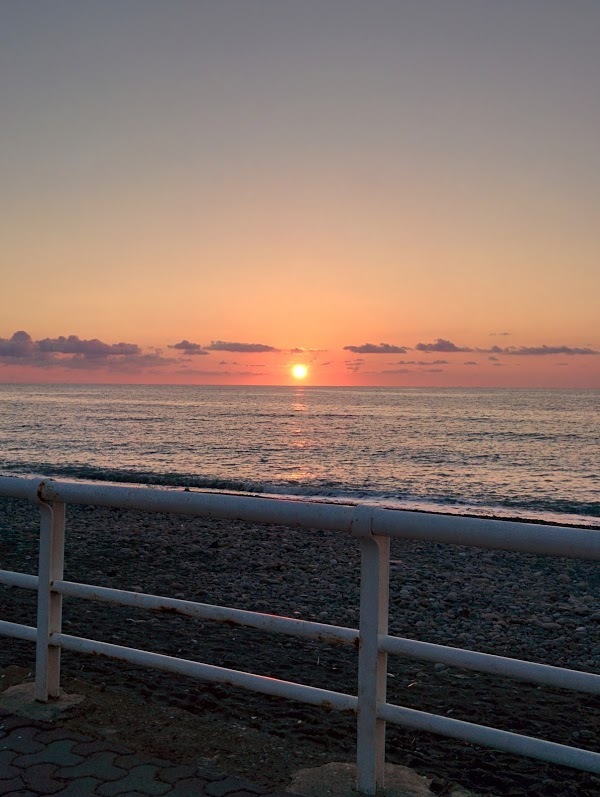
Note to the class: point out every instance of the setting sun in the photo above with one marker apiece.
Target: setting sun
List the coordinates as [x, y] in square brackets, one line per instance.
[299, 371]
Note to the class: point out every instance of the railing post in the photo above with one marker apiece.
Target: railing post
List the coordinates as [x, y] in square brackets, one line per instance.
[372, 663]
[49, 612]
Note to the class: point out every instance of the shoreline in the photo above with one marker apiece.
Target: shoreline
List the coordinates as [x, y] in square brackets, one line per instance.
[520, 605]
[588, 522]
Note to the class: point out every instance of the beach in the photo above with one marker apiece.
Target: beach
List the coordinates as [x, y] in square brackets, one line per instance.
[531, 607]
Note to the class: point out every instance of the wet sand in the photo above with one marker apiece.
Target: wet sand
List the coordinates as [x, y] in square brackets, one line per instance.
[532, 607]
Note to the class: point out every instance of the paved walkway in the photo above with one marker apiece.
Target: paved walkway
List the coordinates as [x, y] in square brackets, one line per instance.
[38, 757]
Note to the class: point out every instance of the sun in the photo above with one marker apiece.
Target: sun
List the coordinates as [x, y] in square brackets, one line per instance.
[299, 371]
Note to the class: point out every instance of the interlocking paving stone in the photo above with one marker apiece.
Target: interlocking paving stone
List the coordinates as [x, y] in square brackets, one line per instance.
[209, 774]
[20, 740]
[58, 734]
[231, 785]
[136, 760]
[101, 746]
[13, 721]
[97, 765]
[86, 787]
[250, 786]
[136, 794]
[6, 768]
[278, 793]
[142, 778]
[174, 773]
[6, 786]
[22, 793]
[188, 787]
[37, 757]
[41, 780]
[241, 794]
[54, 753]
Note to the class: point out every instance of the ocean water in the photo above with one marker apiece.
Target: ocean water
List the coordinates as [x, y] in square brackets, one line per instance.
[532, 454]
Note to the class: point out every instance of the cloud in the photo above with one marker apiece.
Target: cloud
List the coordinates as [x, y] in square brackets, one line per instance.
[129, 362]
[19, 345]
[222, 345]
[189, 348]
[76, 353]
[354, 365]
[441, 345]
[200, 372]
[299, 350]
[470, 362]
[88, 348]
[537, 351]
[493, 358]
[409, 371]
[377, 348]
[500, 334]
[421, 362]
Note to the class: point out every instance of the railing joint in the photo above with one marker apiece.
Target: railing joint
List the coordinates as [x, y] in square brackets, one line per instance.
[39, 499]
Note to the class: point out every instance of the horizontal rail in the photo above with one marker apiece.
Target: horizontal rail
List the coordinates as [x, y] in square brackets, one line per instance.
[397, 523]
[253, 509]
[492, 737]
[410, 648]
[209, 672]
[322, 632]
[18, 631]
[221, 614]
[24, 580]
[497, 665]
[20, 487]
[506, 535]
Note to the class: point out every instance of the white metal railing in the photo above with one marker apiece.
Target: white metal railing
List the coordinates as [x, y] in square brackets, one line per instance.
[373, 528]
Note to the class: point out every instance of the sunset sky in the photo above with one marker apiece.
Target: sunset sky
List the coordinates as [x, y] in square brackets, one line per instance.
[391, 192]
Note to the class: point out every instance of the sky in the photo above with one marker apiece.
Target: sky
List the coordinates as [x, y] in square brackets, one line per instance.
[392, 192]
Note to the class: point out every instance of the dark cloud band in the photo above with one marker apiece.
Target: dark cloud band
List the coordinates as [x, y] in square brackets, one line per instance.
[222, 345]
[377, 348]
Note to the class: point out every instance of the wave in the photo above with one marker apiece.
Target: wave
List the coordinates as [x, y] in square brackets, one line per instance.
[552, 510]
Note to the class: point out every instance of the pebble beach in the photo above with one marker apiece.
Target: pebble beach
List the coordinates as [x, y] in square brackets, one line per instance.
[531, 607]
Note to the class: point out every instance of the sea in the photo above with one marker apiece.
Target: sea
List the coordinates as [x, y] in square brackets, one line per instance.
[509, 453]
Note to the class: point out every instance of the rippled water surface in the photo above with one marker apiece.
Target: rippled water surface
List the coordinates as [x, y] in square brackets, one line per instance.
[521, 453]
